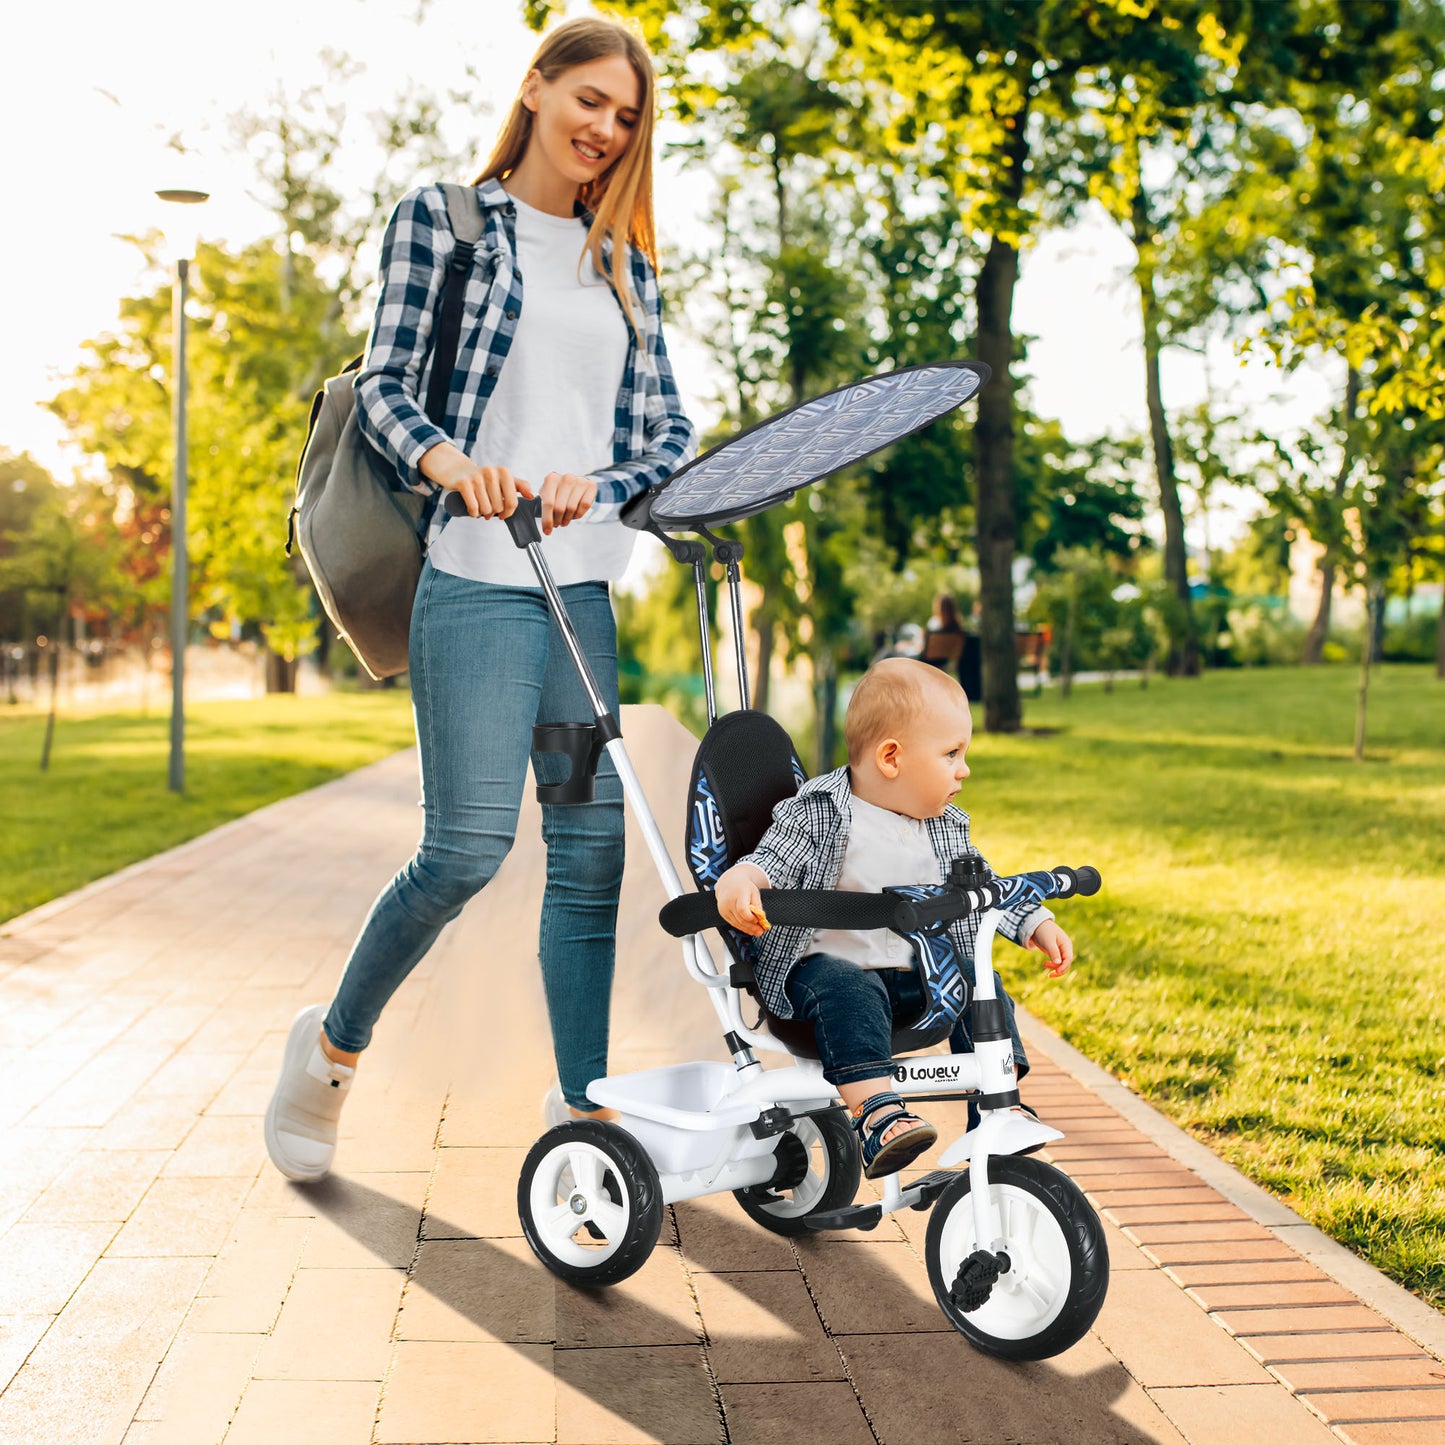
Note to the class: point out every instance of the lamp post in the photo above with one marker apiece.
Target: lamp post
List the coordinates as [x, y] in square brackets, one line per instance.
[182, 240]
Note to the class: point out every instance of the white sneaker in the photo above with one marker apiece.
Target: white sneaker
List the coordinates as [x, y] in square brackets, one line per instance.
[554, 1107]
[302, 1116]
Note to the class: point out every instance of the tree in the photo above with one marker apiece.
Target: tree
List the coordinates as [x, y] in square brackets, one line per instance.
[60, 558]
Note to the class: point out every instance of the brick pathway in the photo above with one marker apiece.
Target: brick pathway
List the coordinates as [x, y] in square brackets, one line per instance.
[160, 1283]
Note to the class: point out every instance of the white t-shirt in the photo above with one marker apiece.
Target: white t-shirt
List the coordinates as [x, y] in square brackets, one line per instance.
[553, 410]
[884, 849]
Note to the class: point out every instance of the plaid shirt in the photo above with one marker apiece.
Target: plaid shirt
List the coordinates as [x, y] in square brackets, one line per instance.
[804, 848]
[651, 437]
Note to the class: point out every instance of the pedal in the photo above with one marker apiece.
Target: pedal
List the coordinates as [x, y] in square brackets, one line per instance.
[976, 1278]
[932, 1186]
[856, 1216]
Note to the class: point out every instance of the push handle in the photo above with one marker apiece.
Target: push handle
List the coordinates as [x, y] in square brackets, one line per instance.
[524, 524]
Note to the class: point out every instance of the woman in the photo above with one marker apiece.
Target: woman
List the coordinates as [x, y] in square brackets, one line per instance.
[568, 396]
[947, 643]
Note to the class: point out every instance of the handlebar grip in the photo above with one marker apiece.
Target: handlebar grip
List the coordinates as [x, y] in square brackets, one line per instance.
[1077, 882]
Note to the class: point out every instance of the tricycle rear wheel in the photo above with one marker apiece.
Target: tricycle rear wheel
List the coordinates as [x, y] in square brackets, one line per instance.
[833, 1169]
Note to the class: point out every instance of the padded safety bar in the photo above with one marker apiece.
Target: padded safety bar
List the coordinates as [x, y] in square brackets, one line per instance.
[833, 908]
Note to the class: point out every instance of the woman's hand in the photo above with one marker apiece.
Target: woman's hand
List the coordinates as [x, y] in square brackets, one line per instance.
[487, 491]
[565, 498]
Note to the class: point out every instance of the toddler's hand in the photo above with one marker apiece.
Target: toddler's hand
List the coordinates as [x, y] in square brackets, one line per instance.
[739, 902]
[1055, 945]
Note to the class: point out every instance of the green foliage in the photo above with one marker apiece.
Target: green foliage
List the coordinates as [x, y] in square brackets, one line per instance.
[1414, 640]
[1293, 1024]
[104, 802]
[26, 489]
[657, 643]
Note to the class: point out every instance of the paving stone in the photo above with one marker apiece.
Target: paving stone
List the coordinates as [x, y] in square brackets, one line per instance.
[96, 1091]
[636, 1397]
[474, 1193]
[869, 1289]
[1179, 1198]
[1211, 1251]
[1260, 1271]
[655, 1306]
[364, 1221]
[763, 1328]
[1406, 1403]
[717, 1236]
[479, 1292]
[19, 1334]
[1305, 1376]
[196, 1390]
[1162, 1340]
[774, 1414]
[473, 1393]
[1276, 1292]
[1378, 1343]
[181, 1217]
[219, 1148]
[246, 1286]
[1208, 1231]
[936, 1389]
[99, 1185]
[335, 1325]
[86, 1378]
[1127, 1214]
[41, 1265]
[286, 1412]
[1242, 1412]
[1393, 1432]
[1301, 1319]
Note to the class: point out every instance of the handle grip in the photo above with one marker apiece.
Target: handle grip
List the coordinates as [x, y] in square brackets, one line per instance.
[523, 524]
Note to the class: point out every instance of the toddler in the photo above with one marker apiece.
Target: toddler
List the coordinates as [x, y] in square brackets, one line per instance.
[887, 818]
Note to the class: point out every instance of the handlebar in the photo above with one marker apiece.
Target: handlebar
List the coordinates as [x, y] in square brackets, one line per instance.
[921, 908]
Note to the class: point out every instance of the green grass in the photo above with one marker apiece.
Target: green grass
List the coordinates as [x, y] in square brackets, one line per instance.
[1261, 961]
[104, 802]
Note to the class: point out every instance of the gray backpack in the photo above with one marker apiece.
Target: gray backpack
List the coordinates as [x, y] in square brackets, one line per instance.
[360, 531]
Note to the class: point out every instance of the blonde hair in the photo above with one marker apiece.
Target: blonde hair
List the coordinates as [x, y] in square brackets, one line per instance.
[620, 199]
[889, 699]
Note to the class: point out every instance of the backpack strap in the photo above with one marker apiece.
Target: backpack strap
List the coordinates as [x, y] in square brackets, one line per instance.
[465, 214]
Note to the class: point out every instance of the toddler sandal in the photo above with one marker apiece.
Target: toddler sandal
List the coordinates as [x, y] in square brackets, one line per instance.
[873, 1119]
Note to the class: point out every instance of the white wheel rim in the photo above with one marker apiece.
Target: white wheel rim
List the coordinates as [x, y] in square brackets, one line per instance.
[791, 1203]
[1030, 1295]
[568, 1192]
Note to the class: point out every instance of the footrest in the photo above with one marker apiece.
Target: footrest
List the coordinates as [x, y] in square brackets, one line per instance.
[856, 1216]
[932, 1185]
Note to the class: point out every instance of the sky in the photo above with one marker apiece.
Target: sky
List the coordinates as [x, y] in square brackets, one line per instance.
[86, 127]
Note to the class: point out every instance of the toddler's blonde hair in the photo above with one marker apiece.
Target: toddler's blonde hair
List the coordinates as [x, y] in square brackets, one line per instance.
[889, 699]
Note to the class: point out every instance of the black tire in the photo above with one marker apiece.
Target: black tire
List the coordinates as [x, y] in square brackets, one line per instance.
[619, 1214]
[835, 1167]
[1053, 1291]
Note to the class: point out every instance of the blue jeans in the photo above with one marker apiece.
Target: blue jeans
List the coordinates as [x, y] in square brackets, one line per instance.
[852, 1009]
[486, 663]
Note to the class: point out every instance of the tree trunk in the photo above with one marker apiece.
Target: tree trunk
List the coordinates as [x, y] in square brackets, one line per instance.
[825, 694]
[280, 673]
[1440, 640]
[1362, 697]
[1183, 651]
[993, 448]
[1319, 631]
[55, 641]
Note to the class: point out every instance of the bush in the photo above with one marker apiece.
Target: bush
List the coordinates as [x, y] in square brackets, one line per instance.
[1412, 640]
[1263, 636]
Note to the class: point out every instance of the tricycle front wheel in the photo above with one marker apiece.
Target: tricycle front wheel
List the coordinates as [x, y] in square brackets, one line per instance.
[1058, 1260]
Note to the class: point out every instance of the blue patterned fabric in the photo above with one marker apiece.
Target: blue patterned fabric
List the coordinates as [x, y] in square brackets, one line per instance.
[939, 965]
[652, 437]
[707, 857]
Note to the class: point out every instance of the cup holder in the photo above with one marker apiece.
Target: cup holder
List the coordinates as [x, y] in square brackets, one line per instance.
[578, 742]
